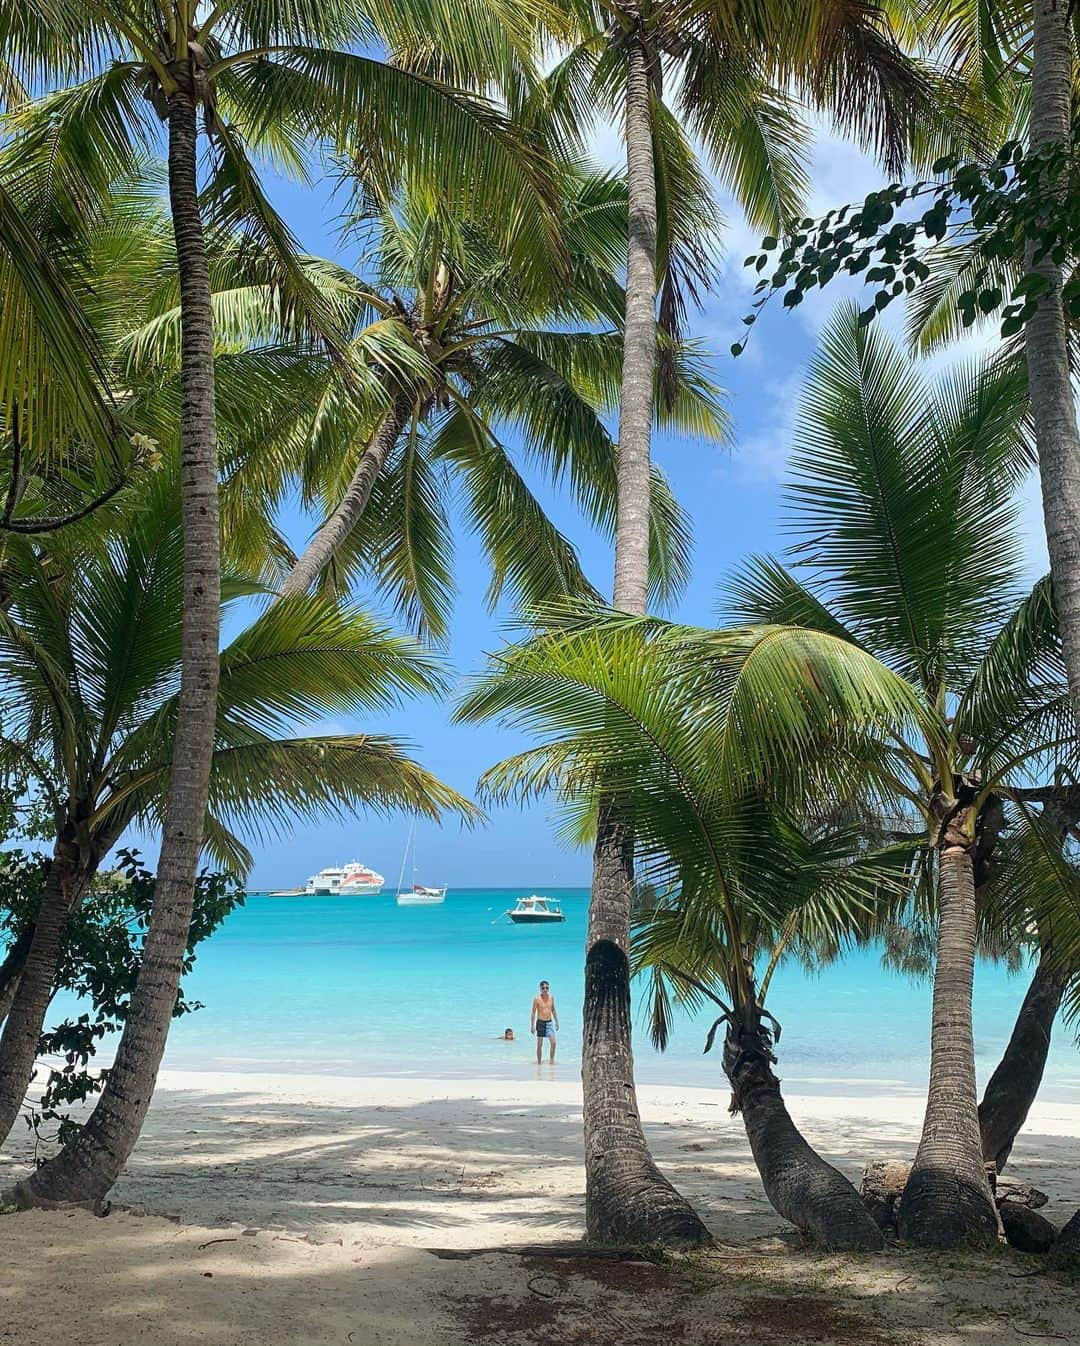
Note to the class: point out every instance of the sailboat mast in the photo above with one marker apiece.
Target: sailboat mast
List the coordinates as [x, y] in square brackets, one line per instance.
[405, 856]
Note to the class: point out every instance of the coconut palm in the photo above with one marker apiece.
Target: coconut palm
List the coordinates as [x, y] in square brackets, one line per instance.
[89, 681]
[274, 77]
[908, 674]
[51, 383]
[51, 372]
[739, 70]
[456, 345]
[1020, 55]
[903, 493]
[1046, 342]
[504, 352]
[660, 721]
[1027, 898]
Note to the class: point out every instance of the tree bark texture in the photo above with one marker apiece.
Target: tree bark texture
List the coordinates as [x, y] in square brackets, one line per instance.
[328, 541]
[627, 1199]
[947, 1198]
[801, 1186]
[87, 1167]
[26, 1017]
[1012, 1087]
[1053, 410]
[639, 341]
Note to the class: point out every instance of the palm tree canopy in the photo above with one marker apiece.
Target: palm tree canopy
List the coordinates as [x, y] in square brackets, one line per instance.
[487, 353]
[89, 675]
[670, 722]
[746, 755]
[277, 80]
[902, 509]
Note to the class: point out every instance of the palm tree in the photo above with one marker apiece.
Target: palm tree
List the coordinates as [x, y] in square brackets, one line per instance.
[1027, 897]
[51, 370]
[736, 65]
[1053, 408]
[272, 76]
[457, 344]
[91, 687]
[910, 674]
[1019, 57]
[1014, 1083]
[52, 383]
[903, 494]
[639, 715]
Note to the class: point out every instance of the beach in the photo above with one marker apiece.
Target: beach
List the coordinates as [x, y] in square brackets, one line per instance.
[298, 1210]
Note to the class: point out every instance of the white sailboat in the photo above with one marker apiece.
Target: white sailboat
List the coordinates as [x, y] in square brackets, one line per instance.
[418, 895]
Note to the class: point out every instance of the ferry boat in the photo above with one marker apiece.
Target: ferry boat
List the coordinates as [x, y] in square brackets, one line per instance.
[536, 910]
[351, 880]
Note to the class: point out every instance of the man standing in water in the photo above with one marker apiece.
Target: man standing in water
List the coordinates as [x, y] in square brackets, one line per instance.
[544, 1021]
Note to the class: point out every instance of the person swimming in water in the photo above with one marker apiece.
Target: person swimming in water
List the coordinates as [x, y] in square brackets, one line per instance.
[544, 1022]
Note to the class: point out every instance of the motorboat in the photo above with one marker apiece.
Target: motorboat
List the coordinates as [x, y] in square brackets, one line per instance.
[536, 910]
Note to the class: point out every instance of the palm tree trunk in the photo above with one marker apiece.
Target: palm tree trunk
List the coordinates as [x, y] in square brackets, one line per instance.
[87, 1167]
[627, 1199]
[1012, 1087]
[99, 844]
[947, 1197]
[639, 341]
[11, 970]
[801, 1186]
[22, 1028]
[1052, 408]
[326, 543]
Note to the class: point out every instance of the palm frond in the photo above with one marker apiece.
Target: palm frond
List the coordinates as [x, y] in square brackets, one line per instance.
[755, 136]
[526, 552]
[886, 469]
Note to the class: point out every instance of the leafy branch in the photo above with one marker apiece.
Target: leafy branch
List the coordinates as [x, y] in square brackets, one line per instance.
[999, 208]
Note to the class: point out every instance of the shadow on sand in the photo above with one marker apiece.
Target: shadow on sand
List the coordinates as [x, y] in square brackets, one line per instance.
[306, 1225]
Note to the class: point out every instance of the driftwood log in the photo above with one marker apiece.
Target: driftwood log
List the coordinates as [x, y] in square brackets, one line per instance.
[883, 1182]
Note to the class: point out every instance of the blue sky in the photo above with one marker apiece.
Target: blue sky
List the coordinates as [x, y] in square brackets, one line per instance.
[733, 495]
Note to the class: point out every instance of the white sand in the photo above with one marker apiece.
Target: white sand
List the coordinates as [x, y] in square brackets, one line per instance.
[329, 1189]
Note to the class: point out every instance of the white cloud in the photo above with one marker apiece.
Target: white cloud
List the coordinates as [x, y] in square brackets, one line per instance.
[763, 455]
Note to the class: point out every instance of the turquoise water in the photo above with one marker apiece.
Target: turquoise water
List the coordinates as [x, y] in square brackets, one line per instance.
[362, 986]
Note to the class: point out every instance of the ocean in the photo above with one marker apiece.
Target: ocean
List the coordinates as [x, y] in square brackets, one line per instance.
[360, 986]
